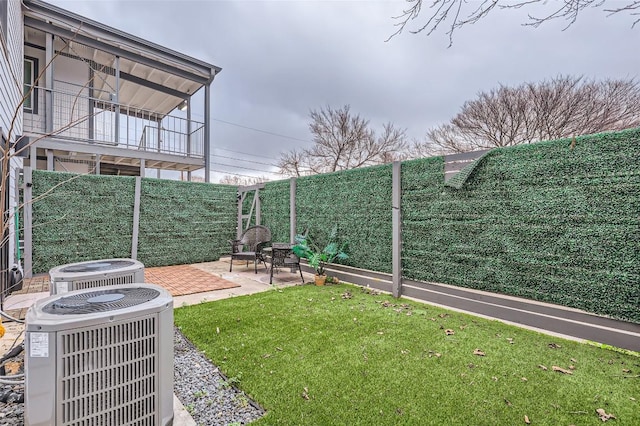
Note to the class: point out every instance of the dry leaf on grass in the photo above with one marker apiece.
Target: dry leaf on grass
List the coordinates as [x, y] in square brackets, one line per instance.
[506, 401]
[526, 420]
[543, 367]
[561, 370]
[603, 415]
[479, 352]
[449, 332]
[554, 345]
[305, 394]
[347, 295]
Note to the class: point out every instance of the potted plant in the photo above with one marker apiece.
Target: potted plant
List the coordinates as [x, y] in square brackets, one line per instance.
[318, 257]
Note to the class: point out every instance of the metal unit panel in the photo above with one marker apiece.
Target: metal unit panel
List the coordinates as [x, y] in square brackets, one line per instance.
[107, 368]
[92, 274]
[107, 374]
[106, 281]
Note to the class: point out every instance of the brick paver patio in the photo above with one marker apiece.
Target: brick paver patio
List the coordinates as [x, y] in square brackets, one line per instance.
[185, 279]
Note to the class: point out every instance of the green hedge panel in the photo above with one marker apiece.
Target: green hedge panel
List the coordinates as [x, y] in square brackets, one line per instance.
[78, 218]
[185, 222]
[359, 202]
[91, 217]
[546, 221]
[275, 208]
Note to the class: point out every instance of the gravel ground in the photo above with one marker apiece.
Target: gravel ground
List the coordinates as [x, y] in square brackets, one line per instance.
[206, 394]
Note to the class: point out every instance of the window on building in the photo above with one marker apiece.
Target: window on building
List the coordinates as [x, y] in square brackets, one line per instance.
[30, 74]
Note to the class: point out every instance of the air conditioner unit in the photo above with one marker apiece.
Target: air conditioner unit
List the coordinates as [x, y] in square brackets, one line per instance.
[95, 273]
[100, 357]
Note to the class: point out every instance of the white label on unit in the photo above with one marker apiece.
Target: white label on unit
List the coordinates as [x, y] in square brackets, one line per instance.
[62, 287]
[39, 345]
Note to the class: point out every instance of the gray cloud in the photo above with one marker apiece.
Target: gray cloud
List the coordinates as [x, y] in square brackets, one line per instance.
[282, 58]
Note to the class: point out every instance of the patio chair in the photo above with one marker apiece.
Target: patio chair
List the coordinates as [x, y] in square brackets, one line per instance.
[249, 246]
[282, 256]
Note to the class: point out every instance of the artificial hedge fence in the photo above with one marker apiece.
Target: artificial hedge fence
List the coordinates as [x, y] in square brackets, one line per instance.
[275, 210]
[185, 222]
[80, 217]
[358, 201]
[553, 221]
[87, 217]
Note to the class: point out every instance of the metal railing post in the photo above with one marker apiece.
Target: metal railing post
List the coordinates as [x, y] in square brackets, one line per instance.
[48, 94]
[188, 127]
[117, 103]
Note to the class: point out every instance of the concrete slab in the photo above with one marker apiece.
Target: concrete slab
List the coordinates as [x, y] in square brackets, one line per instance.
[181, 416]
[20, 301]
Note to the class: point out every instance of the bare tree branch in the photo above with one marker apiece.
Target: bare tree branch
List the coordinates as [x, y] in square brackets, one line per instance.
[242, 181]
[561, 107]
[343, 140]
[458, 13]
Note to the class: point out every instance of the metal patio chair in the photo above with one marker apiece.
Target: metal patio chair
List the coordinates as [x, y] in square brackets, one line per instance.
[249, 246]
[282, 256]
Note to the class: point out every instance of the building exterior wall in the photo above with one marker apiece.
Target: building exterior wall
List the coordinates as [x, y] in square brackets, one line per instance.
[11, 58]
[36, 121]
[11, 87]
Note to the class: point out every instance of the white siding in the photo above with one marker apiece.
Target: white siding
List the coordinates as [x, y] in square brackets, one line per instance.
[11, 58]
[11, 80]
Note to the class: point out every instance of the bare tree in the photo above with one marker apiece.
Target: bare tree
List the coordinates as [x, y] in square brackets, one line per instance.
[242, 180]
[561, 107]
[343, 140]
[454, 14]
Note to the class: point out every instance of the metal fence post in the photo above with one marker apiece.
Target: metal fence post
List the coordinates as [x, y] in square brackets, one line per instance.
[396, 229]
[136, 219]
[28, 213]
[292, 210]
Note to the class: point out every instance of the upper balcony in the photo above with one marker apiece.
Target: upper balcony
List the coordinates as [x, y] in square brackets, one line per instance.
[98, 94]
[87, 116]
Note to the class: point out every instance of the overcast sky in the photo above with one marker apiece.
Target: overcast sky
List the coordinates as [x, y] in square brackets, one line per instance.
[280, 59]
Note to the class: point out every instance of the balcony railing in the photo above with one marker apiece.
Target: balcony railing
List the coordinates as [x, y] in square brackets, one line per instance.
[77, 116]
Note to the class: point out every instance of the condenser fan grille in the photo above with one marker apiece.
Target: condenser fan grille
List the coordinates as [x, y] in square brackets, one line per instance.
[102, 265]
[100, 301]
[108, 374]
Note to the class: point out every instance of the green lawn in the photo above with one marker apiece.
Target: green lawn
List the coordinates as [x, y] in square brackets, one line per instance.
[339, 355]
